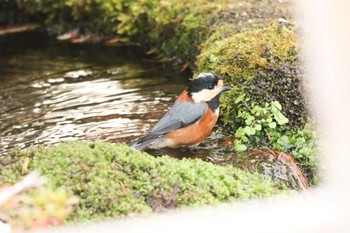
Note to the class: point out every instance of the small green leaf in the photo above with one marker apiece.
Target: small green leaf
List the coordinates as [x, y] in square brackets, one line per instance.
[272, 125]
[280, 118]
[283, 141]
[240, 132]
[239, 98]
[213, 58]
[249, 130]
[257, 127]
[239, 147]
[244, 139]
[284, 138]
[249, 120]
[257, 110]
[278, 147]
[276, 104]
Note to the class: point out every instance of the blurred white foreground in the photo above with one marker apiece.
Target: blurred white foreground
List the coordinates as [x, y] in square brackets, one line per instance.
[325, 209]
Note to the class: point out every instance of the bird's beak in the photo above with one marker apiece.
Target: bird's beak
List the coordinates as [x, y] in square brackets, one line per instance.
[225, 88]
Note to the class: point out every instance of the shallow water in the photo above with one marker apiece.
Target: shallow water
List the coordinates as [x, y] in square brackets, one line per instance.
[53, 91]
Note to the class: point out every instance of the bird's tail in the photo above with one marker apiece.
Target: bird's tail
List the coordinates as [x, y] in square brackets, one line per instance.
[143, 142]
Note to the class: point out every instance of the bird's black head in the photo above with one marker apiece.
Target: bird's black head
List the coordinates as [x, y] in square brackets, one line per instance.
[204, 81]
[206, 87]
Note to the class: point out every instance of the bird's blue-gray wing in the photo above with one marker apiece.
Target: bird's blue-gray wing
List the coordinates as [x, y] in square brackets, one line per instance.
[180, 115]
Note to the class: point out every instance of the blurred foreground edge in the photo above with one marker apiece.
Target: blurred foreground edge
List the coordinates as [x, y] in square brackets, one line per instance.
[323, 209]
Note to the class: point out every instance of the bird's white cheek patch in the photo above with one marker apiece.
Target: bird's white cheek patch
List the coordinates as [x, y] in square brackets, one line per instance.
[206, 94]
[203, 95]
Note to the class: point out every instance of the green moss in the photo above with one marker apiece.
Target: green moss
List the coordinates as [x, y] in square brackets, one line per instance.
[113, 179]
[242, 54]
[175, 27]
[240, 40]
[260, 63]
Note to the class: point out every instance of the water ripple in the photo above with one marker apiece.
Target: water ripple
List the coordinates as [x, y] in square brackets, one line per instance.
[42, 106]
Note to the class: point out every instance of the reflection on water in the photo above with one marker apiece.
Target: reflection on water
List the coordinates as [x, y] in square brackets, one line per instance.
[61, 92]
[52, 92]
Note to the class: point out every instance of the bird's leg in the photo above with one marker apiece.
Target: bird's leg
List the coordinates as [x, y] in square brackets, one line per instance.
[193, 150]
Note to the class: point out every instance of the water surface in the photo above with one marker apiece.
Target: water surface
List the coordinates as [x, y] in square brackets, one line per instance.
[53, 91]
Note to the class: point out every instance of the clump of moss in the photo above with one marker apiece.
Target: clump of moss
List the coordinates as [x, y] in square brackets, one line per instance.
[261, 63]
[242, 54]
[113, 179]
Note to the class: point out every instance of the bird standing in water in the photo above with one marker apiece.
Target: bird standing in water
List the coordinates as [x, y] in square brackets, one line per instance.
[192, 117]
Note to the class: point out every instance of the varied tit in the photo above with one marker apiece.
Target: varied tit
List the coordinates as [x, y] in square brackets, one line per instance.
[191, 118]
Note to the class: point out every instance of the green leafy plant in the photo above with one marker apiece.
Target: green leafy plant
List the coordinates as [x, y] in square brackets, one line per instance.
[267, 126]
[258, 121]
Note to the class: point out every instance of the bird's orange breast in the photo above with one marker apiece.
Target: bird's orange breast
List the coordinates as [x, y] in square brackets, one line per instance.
[194, 133]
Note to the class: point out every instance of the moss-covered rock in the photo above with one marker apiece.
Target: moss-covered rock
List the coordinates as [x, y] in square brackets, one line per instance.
[260, 63]
[113, 179]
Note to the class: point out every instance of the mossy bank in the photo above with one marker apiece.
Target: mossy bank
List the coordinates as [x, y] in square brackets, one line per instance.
[253, 45]
[113, 179]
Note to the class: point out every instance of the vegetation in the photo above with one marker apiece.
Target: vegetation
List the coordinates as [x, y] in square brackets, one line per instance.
[264, 69]
[267, 126]
[251, 44]
[260, 63]
[177, 28]
[112, 179]
[38, 207]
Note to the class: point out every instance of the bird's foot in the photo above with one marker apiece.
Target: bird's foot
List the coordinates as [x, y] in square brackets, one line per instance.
[193, 150]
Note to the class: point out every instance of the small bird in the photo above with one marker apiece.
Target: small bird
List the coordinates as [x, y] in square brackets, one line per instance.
[191, 118]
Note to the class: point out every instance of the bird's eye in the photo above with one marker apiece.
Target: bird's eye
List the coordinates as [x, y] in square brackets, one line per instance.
[210, 87]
